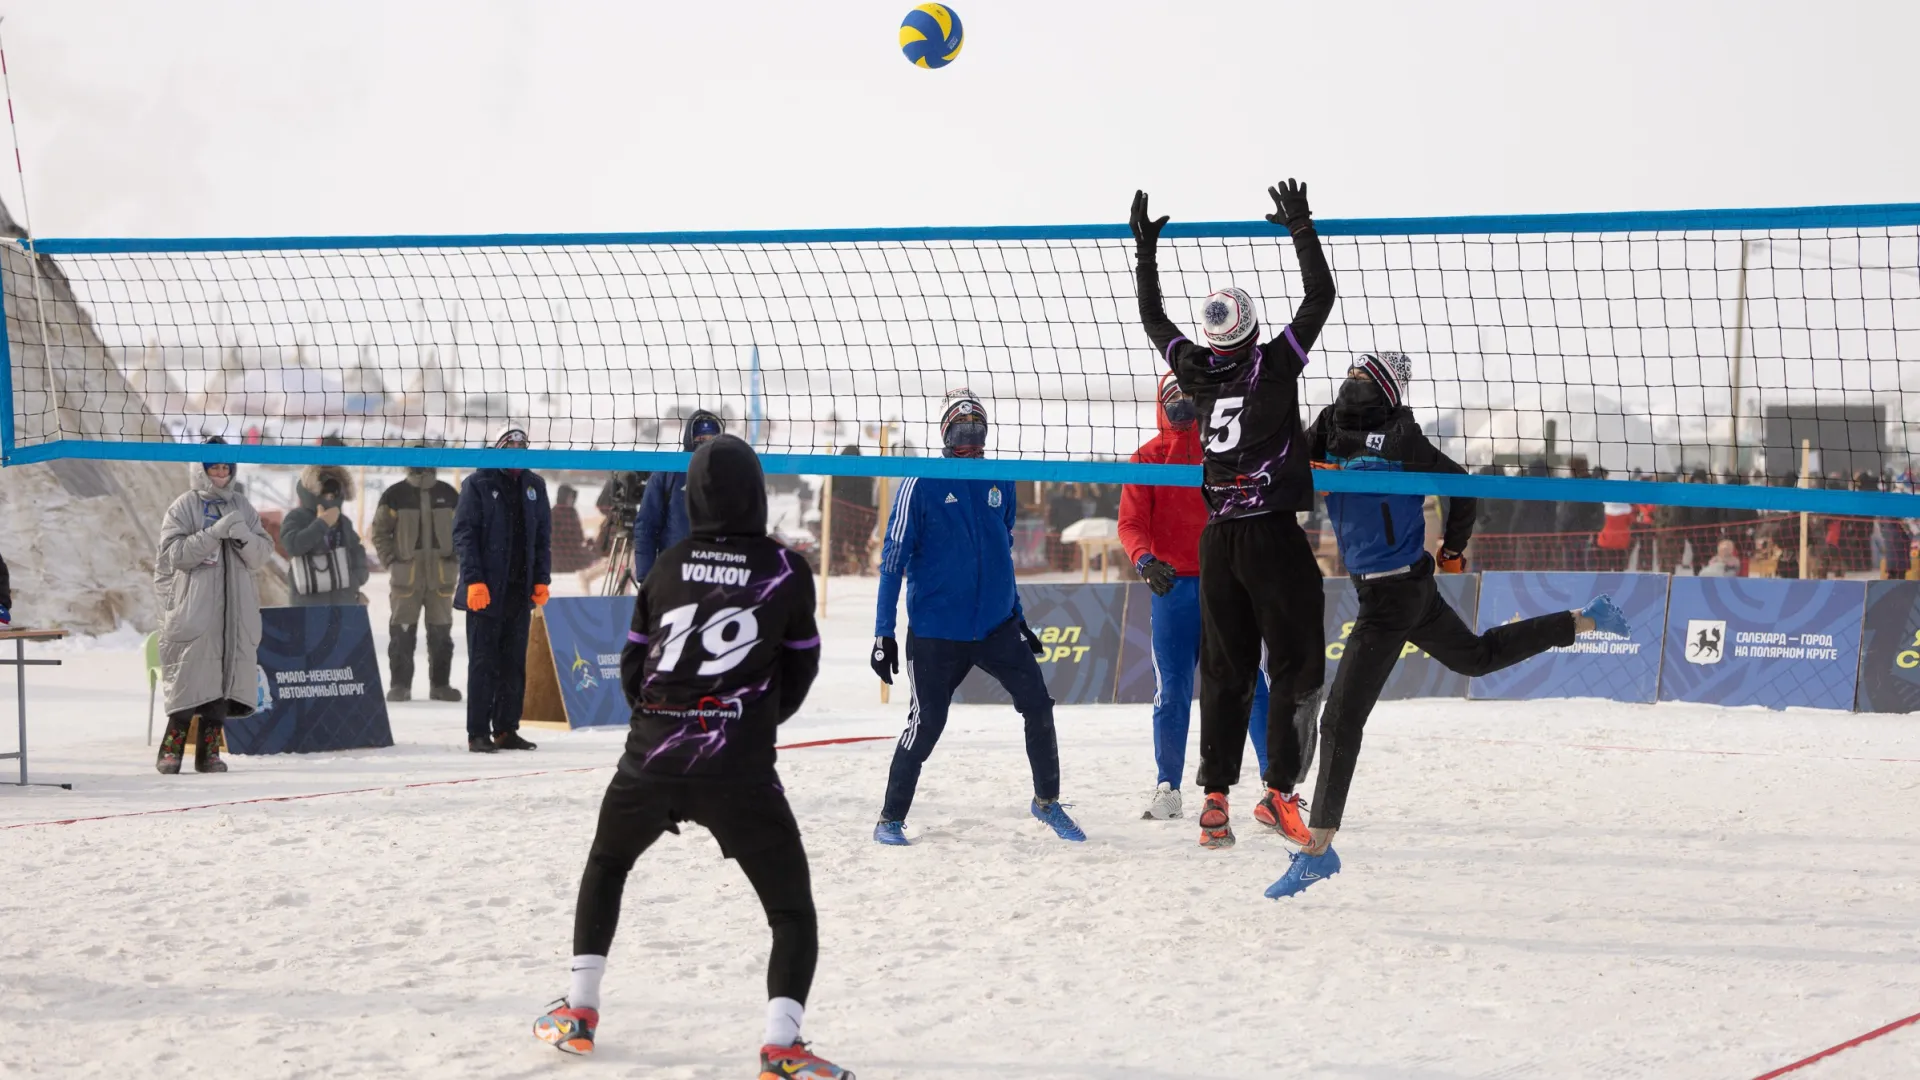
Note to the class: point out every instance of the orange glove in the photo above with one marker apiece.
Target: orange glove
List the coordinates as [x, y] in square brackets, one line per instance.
[1324, 465]
[1451, 562]
[540, 596]
[477, 596]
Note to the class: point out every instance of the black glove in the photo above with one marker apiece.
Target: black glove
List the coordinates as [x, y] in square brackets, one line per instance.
[1159, 574]
[1033, 640]
[1290, 205]
[1146, 230]
[885, 659]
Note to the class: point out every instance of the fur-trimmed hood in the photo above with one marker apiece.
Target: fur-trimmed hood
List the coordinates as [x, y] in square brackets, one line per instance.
[314, 477]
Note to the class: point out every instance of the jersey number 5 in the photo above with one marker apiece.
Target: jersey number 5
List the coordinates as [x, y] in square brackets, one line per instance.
[727, 636]
[1225, 424]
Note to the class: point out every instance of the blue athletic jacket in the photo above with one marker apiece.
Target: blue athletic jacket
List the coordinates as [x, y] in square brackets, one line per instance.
[953, 542]
[1383, 532]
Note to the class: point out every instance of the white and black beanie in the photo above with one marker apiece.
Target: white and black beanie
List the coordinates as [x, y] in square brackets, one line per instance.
[1391, 371]
[960, 402]
[1227, 320]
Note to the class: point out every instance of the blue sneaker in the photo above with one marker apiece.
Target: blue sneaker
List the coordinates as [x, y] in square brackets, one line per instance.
[1055, 816]
[1306, 870]
[891, 833]
[1607, 616]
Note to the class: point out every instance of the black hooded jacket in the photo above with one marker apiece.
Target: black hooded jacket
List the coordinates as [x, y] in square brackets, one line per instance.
[723, 646]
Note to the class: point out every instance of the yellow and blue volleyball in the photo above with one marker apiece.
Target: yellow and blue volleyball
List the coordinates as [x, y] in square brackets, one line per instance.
[930, 35]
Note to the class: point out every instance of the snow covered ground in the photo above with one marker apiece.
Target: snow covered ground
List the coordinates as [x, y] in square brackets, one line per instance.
[1558, 889]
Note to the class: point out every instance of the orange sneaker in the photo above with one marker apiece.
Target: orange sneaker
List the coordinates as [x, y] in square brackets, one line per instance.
[1214, 830]
[796, 1062]
[567, 1028]
[1281, 813]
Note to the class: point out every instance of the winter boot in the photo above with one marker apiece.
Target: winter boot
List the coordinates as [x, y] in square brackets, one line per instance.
[206, 756]
[400, 645]
[173, 742]
[440, 663]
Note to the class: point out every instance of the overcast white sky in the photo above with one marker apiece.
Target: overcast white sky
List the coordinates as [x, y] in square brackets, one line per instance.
[243, 117]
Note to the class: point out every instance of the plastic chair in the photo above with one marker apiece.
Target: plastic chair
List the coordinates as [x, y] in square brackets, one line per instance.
[153, 678]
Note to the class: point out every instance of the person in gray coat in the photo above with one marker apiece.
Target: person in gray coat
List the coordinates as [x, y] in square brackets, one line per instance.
[326, 562]
[210, 544]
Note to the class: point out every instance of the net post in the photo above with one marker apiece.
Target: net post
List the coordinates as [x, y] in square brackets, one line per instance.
[1806, 458]
[1739, 352]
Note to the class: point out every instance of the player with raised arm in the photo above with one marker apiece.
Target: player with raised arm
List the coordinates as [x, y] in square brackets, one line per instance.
[1383, 543]
[1259, 581]
[951, 541]
[722, 650]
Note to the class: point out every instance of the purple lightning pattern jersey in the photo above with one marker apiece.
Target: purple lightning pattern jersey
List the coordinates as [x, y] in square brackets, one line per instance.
[722, 649]
[1256, 454]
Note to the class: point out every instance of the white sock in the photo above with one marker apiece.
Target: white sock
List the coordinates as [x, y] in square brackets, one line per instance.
[586, 982]
[783, 1021]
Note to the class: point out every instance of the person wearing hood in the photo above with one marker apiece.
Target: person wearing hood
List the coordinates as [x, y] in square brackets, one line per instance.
[1260, 583]
[1160, 527]
[211, 542]
[951, 542]
[502, 533]
[1383, 543]
[721, 651]
[413, 534]
[661, 521]
[326, 562]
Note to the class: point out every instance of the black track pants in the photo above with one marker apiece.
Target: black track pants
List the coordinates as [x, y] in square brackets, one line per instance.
[755, 828]
[1394, 611]
[1259, 583]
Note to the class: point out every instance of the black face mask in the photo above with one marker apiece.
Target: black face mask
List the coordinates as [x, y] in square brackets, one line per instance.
[1181, 413]
[1361, 404]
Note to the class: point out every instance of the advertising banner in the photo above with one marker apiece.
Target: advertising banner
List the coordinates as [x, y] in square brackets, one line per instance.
[1417, 675]
[1890, 649]
[1597, 665]
[1137, 681]
[1082, 627]
[1763, 641]
[319, 685]
[585, 635]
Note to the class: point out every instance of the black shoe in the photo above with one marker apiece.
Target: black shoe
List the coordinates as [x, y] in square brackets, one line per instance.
[400, 693]
[511, 740]
[480, 744]
[444, 693]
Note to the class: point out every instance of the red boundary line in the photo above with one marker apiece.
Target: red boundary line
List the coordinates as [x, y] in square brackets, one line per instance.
[1832, 1050]
[384, 787]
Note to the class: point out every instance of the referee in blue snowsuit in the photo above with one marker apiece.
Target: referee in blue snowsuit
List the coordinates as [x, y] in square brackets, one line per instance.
[952, 540]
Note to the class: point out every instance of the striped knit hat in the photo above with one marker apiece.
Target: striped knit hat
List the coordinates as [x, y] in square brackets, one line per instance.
[960, 402]
[1391, 372]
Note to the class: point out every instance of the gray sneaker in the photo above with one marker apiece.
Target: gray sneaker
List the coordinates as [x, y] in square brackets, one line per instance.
[1165, 805]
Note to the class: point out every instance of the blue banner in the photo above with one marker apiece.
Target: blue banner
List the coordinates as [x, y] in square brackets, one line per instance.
[319, 685]
[1890, 649]
[1763, 641]
[586, 634]
[1417, 675]
[1597, 665]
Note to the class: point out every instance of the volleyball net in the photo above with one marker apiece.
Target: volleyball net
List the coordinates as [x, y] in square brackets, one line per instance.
[1733, 358]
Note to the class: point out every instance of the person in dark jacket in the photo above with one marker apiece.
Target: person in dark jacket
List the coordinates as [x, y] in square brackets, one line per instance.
[1532, 526]
[413, 533]
[6, 595]
[1490, 521]
[1260, 583]
[326, 562]
[1383, 542]
[661, 521]
[1578, 523]
[722, 650]
[951, 540]
[570, 549]
[853, 519]
[502, 533]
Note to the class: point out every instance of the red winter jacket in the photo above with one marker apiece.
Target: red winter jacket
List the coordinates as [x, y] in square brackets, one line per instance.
[1165, 521]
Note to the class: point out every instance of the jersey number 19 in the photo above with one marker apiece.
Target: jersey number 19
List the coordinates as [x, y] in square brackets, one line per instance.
[727, 636]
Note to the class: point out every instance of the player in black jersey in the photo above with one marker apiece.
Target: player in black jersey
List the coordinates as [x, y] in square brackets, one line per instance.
[722, 650]
[1259, 581]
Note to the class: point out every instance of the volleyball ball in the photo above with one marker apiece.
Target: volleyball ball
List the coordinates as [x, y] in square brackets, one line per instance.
[930, 35]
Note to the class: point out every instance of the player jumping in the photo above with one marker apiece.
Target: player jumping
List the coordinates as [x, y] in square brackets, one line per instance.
[722, 650]
[1383, 543]
[1259, 581]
